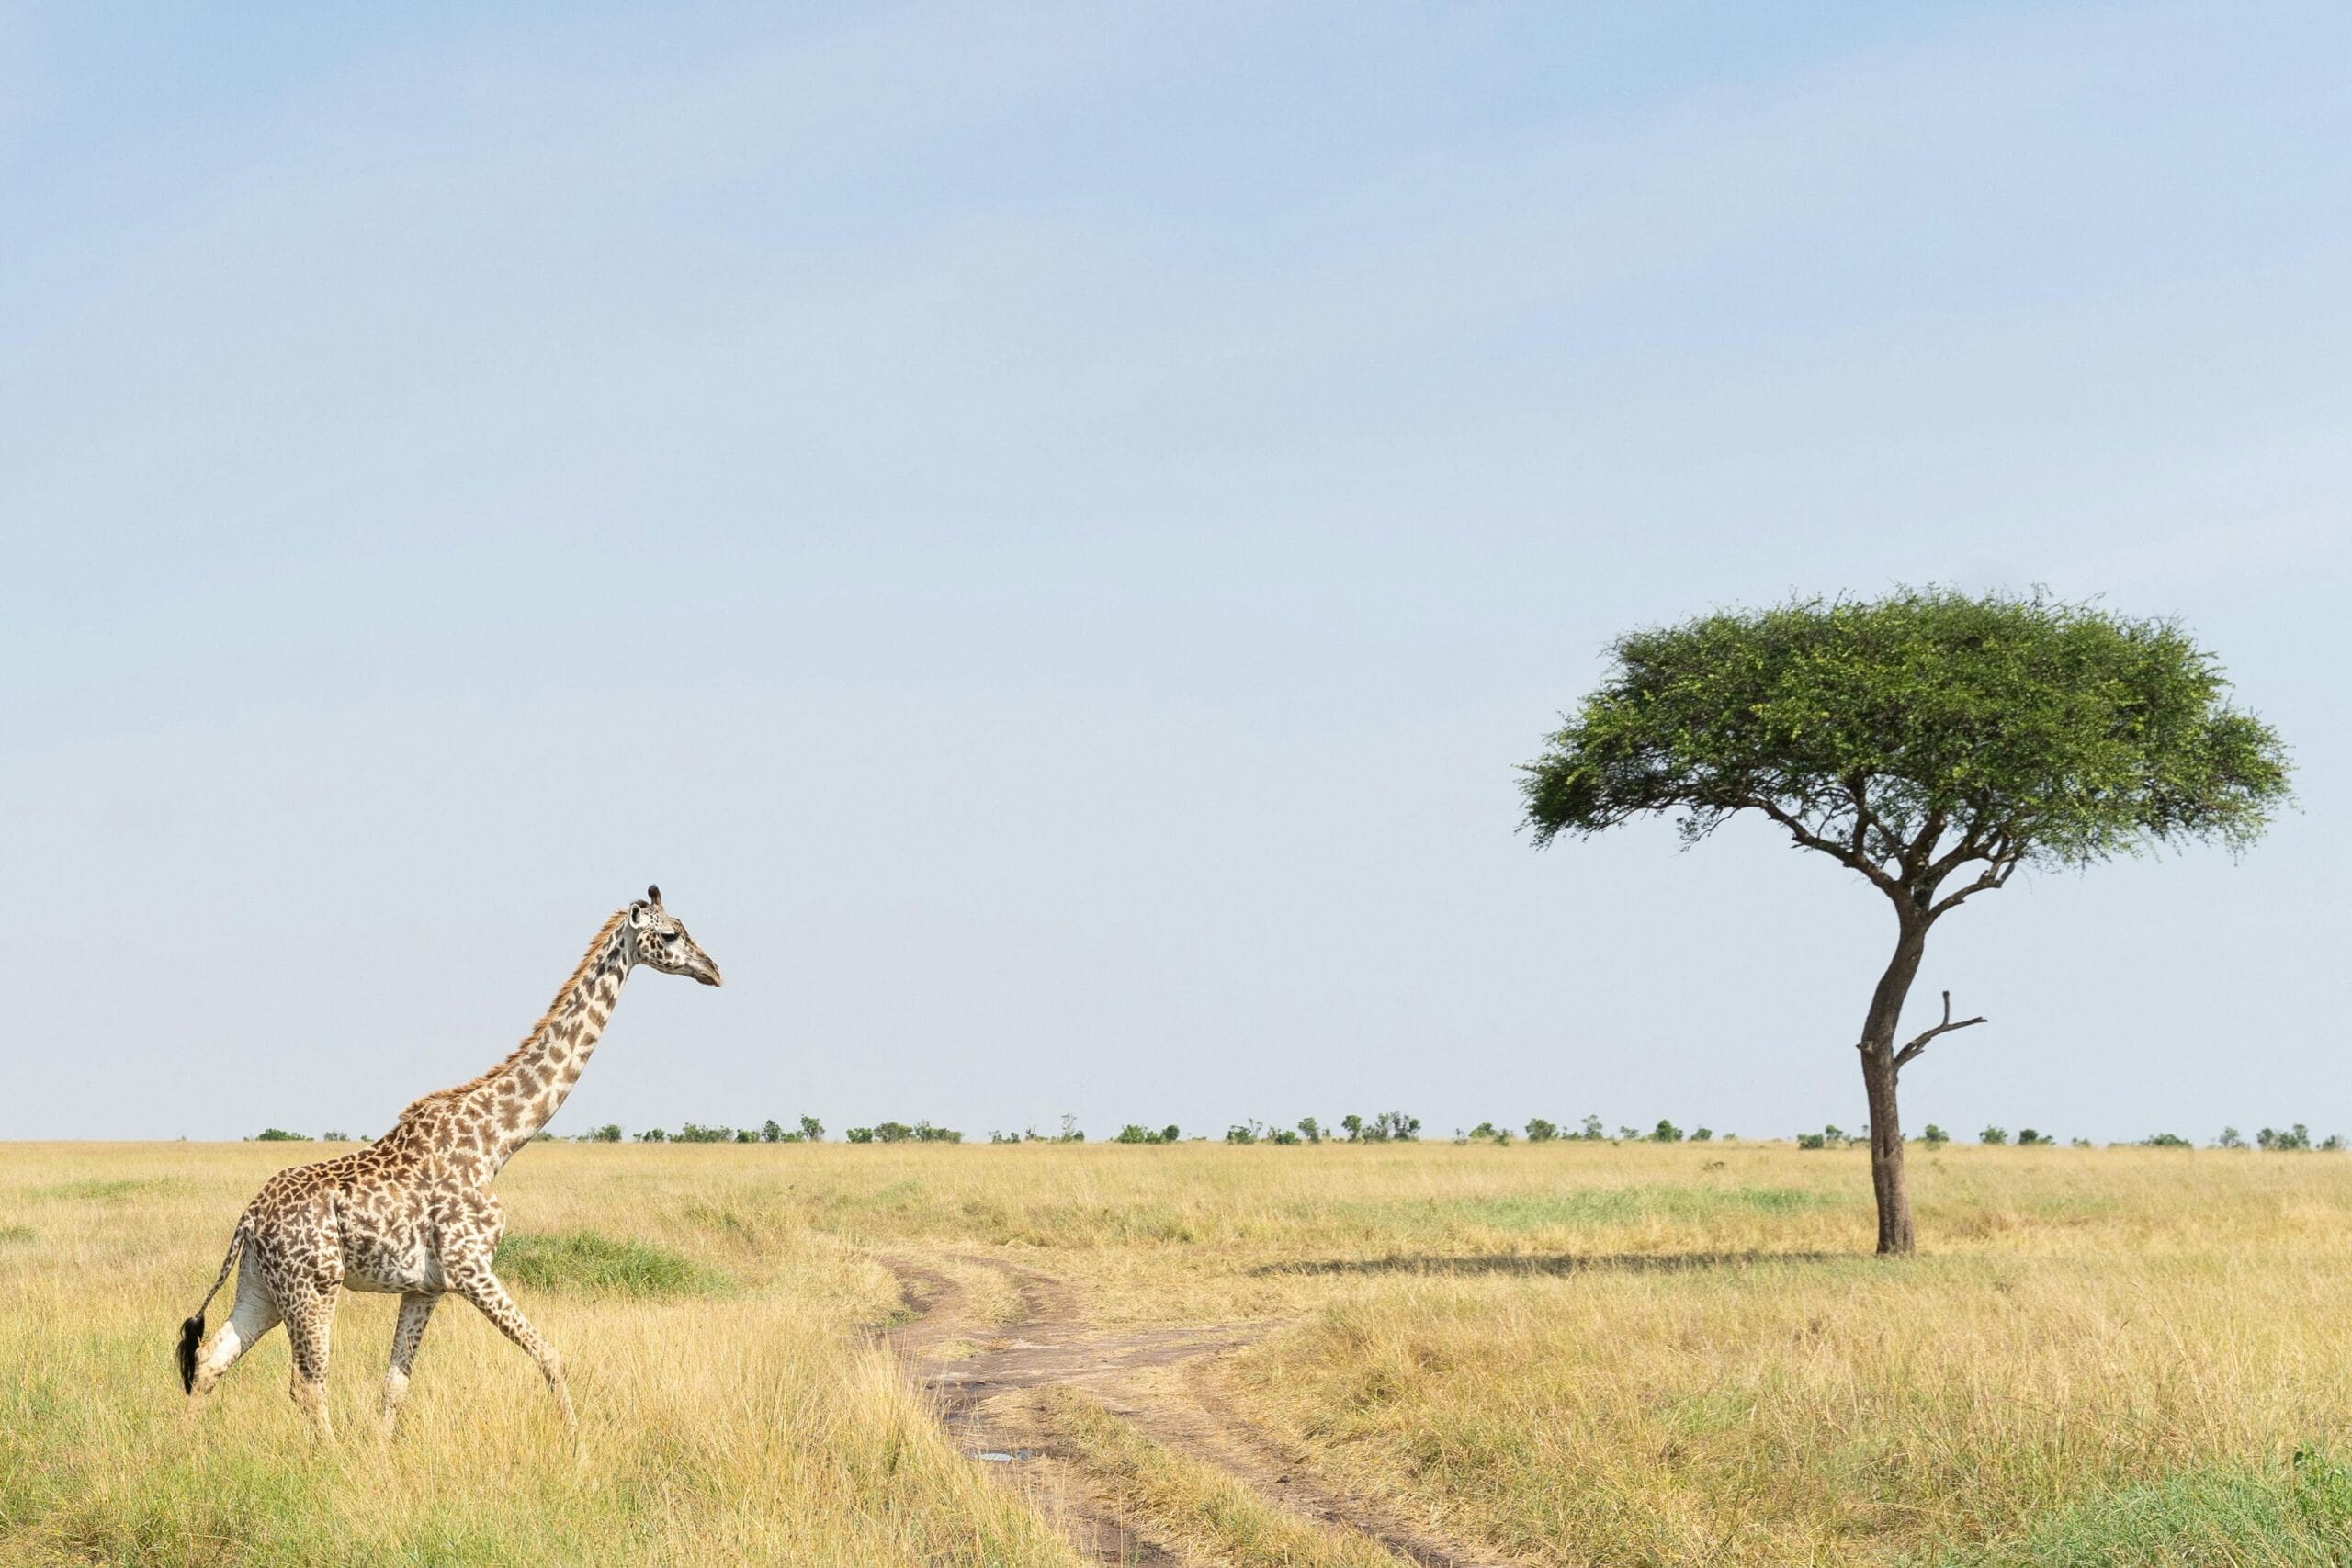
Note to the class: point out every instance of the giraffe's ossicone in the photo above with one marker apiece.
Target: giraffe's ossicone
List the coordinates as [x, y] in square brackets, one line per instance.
[411, 1214]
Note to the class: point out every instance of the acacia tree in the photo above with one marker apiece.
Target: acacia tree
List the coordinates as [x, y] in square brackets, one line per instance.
[1932, 742]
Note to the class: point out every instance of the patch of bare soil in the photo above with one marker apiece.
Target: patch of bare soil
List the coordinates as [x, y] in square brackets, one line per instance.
[984, 1379]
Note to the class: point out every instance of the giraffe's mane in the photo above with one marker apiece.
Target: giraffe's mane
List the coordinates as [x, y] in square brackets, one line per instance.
[587, 961]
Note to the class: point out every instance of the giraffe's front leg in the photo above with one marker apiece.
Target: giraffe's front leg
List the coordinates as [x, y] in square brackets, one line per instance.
[471, 1277]
[416, 1310]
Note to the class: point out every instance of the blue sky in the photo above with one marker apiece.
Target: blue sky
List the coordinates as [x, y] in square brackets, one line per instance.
[1046, 529]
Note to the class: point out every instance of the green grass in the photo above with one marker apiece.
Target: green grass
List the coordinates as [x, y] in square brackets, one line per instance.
[16, 1232]
[2289, 1517]
[588, 1263]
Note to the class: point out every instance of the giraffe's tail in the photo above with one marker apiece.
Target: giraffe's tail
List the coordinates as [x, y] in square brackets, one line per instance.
[192, 1331]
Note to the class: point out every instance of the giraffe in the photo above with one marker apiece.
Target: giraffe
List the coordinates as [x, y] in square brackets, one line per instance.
[413, 1213]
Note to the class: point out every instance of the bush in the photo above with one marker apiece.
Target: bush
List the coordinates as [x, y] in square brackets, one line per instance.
[610, 1133]
[335, 1137]
[694, 1132]
[1133, 1133]
[1665, 1133]
[2332, 1144]
[1703, 1135]
[1935, 1138]
[1284, 1136]
[1811, 1141]
[653, 1135]
[1540, 1130]
[1246, 1132]
[2296, 1137]
[1309, 1128]
[1386, 1126]
[1591, 1131]
[2167, 1141]
[812, 1131]
[279, 1135]
[920, 1132]
[2228, 1139]
[2028, 1138]
[1994, 1135]
[1487, 1133]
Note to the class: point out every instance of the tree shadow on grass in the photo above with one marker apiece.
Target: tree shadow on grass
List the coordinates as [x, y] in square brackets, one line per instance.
[1561, 1263]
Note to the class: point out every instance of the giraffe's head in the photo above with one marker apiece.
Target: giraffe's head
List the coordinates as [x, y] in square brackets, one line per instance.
[662, 943]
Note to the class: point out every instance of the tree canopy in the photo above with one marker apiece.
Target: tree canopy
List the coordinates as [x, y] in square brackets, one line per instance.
[1913, 735]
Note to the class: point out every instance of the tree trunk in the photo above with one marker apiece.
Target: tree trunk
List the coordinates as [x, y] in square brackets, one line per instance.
[1894, 1239]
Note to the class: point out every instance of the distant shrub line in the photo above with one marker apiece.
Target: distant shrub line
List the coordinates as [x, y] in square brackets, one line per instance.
[2297, 1137]
[1388, 1126]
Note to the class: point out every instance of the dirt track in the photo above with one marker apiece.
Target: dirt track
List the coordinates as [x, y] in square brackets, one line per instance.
[987, 1379]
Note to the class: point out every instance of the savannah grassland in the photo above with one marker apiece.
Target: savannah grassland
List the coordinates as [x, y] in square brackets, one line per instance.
[1553, 1354]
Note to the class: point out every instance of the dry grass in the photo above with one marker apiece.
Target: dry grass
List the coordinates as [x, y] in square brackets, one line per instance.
[721, 1426]
[1568, 1353]
[1201, 1510]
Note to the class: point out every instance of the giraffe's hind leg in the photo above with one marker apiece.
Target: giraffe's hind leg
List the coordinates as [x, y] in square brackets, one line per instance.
[254, 1315]
[416, 1310]
[310, 1318]
[469, 1276]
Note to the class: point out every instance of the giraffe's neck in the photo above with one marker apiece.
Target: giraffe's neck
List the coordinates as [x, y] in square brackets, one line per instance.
[517, 1098]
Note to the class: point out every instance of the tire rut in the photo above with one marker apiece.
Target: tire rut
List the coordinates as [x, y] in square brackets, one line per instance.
[1156, 1379]
[992, 1432]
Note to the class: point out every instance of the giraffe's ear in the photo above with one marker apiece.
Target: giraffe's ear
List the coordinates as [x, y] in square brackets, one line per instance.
[653, 897]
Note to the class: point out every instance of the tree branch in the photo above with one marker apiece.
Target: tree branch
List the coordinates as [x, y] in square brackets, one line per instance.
[2003, 861]
[1831, 847]
[1919, 1043]
[1922, 846]
[1971, 846]
[1864, 821]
